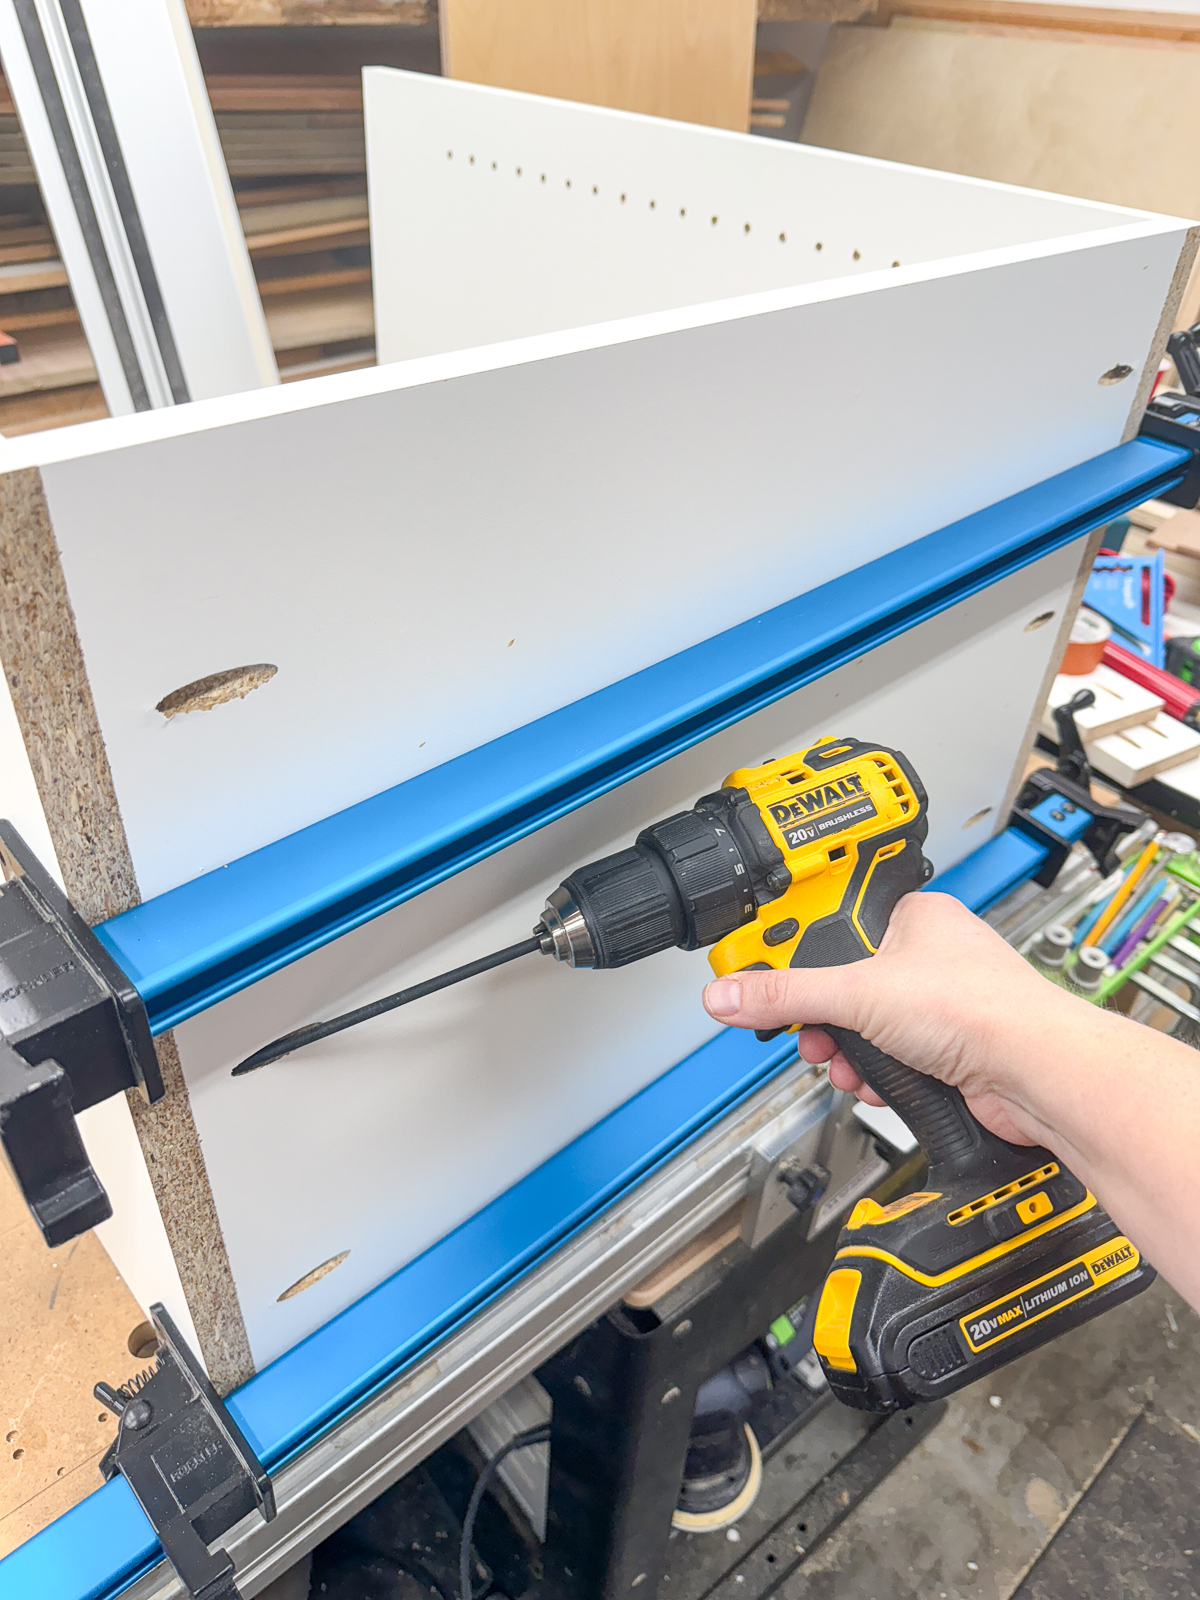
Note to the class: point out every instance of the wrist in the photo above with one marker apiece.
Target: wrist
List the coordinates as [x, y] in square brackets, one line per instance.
[1055, 1079]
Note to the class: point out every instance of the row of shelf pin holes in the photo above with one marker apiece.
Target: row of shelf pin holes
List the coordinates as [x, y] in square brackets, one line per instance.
[654, 205]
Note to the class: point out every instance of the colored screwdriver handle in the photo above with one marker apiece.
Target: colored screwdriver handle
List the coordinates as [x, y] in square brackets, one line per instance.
[954, 1142]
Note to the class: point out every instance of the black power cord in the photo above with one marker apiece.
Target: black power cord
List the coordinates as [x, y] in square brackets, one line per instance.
[519, 1441]
[348, 1019]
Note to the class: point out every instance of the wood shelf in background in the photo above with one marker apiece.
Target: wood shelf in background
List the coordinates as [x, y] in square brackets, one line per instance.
[310, 317]
[307, 13]
[1164, 27]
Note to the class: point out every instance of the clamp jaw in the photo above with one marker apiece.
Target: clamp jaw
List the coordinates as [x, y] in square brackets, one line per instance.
[1069, 784]
[191, 1468]
[1175, 418]
[73, 1031]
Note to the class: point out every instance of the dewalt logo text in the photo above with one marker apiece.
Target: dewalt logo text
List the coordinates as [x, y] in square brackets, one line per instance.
[819, 799]
[1113, 1259]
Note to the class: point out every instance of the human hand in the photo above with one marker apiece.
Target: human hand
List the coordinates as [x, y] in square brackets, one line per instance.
[944, 994]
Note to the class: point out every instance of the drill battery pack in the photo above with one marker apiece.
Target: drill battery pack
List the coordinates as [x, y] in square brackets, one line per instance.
[933, 1291]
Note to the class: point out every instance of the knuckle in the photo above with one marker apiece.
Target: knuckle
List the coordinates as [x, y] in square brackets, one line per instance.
[774, 988]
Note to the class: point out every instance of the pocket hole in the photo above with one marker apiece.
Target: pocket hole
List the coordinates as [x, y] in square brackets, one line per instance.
[818, 246]
[1038, 622]
[714, 222]
[895, 263]
[315, 1276]
[978, 817]
[205, 693]
[745, 227]
[683, 211]
[17, 1454]
[858, 255]
[1116, 374]
[653, 203]
[783, 238]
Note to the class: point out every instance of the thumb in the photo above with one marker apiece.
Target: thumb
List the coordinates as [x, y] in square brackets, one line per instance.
[778, 998]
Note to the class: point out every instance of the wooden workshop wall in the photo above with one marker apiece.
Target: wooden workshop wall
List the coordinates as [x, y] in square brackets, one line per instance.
[1100, 103]
[688, 59]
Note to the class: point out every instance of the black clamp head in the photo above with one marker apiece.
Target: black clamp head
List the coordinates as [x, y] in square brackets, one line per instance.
[73, 1031]
[1105, 826]
[186, 1460]
[1175, 419]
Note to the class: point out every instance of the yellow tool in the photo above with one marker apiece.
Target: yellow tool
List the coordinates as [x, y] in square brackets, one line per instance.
[799, 863]
[1132, 878]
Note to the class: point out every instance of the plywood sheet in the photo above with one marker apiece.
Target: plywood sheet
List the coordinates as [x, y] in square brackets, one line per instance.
[1053, 113]
[688, 59]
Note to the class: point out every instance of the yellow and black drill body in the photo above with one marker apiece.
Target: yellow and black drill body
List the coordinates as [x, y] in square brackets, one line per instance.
[800, 862]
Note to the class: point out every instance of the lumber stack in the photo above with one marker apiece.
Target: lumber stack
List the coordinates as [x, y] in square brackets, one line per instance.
[294, 144]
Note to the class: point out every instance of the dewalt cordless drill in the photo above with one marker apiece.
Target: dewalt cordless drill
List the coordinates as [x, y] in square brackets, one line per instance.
[800, 863]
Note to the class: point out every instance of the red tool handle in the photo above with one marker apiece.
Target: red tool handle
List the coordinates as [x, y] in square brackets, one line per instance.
[1182, 701]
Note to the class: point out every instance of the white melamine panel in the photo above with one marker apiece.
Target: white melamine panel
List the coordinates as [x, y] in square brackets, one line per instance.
[496, 214]
[19, 799]
[380, 1140]
[433, 554]
[134, 1236]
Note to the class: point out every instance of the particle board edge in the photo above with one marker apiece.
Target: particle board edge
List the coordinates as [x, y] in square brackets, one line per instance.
[1166, 324]
[47, 676]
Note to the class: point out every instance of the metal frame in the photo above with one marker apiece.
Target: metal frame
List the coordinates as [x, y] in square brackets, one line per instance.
[195, 945]
[619, 1437]
[114, 110]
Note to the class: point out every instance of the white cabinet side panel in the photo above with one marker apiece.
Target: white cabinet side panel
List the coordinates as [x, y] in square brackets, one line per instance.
[430, 566]
[134, 1236]
[496, 214]
[380, 1140]
[20, 802]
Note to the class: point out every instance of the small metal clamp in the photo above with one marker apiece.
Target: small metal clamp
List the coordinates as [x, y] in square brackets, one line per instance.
[186, 1460]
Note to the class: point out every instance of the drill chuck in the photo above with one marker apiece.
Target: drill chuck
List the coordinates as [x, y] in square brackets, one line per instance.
[685, 882]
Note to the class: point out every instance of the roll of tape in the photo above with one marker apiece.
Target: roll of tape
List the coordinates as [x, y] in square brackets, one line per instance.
[1085, 649]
